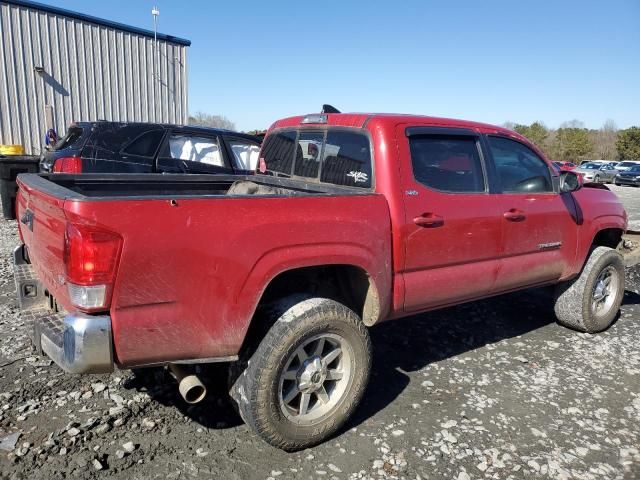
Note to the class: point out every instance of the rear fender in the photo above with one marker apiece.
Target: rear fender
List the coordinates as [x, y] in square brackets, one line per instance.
[284, 259]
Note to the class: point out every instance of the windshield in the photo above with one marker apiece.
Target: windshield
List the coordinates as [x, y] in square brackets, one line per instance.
[626, 164]
[590, 166]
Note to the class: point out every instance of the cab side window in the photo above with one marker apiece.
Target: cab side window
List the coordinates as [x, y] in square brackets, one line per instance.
[519, 168]
[447, 163]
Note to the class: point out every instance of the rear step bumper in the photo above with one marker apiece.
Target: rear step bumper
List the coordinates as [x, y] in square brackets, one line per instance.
[78, 343]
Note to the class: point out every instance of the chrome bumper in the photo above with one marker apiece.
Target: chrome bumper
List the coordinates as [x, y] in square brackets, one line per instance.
[84, 345]
[77, 342]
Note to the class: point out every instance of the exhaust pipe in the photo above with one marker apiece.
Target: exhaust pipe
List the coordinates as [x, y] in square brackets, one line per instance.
[189, 385]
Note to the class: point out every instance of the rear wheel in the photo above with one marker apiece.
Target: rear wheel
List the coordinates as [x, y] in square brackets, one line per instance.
[306, 376]
[590, 302]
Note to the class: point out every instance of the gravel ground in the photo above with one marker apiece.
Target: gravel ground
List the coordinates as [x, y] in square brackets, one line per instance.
[492, 389]
[630, 196]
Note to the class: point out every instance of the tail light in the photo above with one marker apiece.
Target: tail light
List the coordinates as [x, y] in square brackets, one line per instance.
[67, 165]
[91, 257]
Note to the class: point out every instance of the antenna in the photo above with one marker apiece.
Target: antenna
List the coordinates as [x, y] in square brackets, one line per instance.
[326, 108]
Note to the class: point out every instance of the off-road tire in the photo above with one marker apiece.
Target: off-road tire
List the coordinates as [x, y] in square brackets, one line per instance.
[573, 299]
[254, 381]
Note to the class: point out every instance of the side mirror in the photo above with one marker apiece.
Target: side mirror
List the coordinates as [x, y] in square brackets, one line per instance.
[570, 182]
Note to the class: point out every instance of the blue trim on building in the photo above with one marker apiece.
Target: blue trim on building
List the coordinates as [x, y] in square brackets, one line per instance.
[99, 21]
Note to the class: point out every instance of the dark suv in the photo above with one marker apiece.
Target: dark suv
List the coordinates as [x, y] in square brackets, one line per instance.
[113, 147]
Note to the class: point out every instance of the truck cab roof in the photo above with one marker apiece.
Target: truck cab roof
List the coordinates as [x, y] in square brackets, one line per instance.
[360, 120]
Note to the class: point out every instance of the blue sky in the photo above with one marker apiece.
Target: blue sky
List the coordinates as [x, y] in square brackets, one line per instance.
[491, 61]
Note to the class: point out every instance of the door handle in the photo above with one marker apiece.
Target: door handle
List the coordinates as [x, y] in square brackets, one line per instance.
[514, 215]
[429, 220]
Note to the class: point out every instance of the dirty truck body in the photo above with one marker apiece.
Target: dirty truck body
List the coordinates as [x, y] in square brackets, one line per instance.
[352, 220]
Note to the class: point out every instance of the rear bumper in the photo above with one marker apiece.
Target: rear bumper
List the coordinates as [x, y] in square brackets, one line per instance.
[78, 343]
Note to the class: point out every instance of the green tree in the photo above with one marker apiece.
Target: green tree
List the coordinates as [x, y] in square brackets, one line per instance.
[628, 144]
[537, 133]
[571, 144]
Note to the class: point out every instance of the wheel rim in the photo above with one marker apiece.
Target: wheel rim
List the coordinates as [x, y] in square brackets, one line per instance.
[315, 378]
[605, 291]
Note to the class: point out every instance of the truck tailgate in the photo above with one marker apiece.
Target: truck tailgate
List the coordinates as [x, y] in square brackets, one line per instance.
[42, 227]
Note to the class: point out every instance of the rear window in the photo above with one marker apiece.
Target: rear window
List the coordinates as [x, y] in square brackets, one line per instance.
[339, 157]
[277, 152]
[70, 139]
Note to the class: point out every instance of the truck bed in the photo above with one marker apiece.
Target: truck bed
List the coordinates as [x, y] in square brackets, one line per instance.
[138, 186]
[198, 250]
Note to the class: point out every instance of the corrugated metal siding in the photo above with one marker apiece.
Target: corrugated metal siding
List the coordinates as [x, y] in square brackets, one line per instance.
[91, 72]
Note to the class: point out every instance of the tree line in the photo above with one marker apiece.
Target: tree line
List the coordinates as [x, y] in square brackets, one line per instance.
[572, 142]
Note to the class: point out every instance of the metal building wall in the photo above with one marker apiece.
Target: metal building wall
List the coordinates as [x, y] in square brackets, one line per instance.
[89, 72]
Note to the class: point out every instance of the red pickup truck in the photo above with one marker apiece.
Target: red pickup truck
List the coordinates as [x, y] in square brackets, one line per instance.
[353, 219]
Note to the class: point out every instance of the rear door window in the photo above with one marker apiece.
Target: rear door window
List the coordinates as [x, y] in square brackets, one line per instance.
[336, 156]
[192, 154]
[195, 149]
[447, 163]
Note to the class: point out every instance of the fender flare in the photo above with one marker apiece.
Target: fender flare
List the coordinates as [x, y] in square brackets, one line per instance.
[598, 224]
[283, 259]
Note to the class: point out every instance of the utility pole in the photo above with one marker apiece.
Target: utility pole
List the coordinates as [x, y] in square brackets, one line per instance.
[156, 60]
[156, 13]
